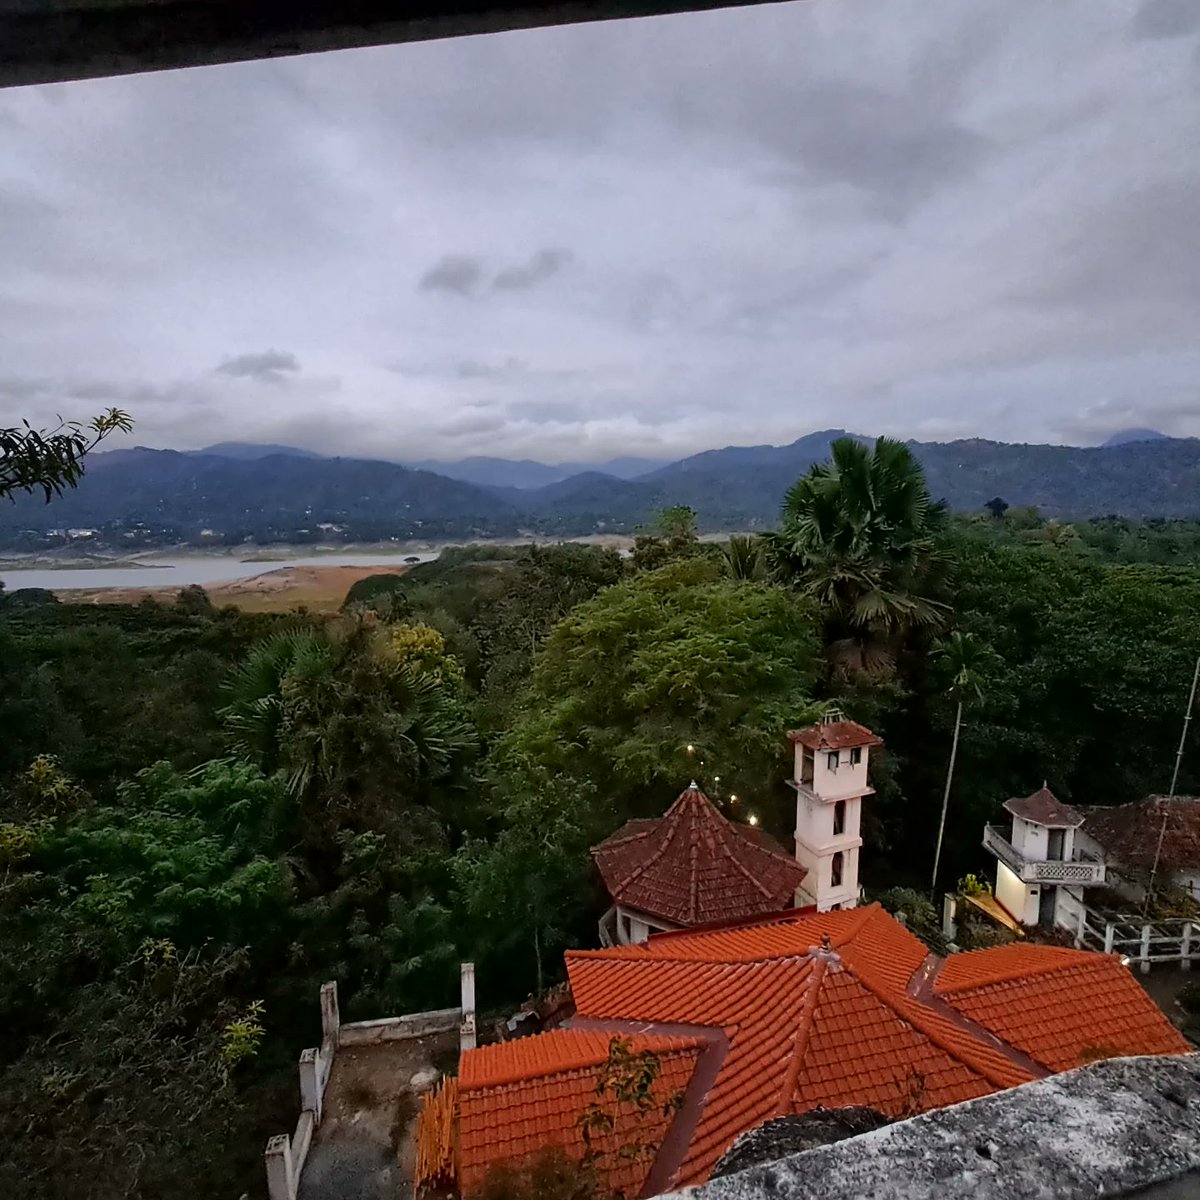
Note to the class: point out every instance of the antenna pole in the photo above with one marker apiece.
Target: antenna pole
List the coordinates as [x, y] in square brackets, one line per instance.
[1162, 829]
[1183, 736]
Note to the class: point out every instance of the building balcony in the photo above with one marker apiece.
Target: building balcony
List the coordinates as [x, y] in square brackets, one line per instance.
[1081, 872]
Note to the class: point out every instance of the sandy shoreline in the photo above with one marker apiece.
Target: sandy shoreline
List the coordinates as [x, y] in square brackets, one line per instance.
[281, 552]
[319, 589]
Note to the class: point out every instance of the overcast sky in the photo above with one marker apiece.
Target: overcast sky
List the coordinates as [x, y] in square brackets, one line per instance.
[930, 218]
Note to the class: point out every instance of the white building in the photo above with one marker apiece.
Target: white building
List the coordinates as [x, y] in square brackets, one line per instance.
[830, 779]
[1042, 864]
[1055, 852]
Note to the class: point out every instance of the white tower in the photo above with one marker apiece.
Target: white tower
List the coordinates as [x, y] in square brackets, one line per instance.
[831, 783]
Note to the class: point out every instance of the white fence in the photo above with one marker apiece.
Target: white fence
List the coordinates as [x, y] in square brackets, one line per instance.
[1142, 942]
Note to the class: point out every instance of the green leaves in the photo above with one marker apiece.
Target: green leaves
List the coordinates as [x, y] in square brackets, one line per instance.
[33, 460]
[675, 657]
[856, 534]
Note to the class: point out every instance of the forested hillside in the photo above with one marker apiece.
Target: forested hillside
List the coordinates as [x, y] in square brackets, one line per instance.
[135, 498]
[204, 814]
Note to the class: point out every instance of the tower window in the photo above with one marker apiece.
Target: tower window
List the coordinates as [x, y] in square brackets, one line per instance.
[839, 817]
[856, 756]
[831, 760]
[835, 870]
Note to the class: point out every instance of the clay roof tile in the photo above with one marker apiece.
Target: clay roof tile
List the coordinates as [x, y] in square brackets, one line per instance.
[693, 866]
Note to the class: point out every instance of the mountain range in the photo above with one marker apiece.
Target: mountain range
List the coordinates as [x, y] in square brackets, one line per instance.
[233, 492]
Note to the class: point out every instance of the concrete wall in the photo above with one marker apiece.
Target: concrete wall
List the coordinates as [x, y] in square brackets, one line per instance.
[1030, 840]
[633, 926]
[395, 1029]
[285, 1157]
[846, 780]
[1019, 899]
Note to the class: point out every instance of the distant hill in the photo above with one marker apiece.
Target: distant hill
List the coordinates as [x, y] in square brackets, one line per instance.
[281, 497]
[251, 450]
[157, 497]
[526, 474]
[1124, 436]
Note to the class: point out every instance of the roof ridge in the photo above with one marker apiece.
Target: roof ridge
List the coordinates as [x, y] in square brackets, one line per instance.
[816, 976]
[918, 1015]
[869, 913]
[670, 822]
[1052, 958]
[524, 1071]
[729, 850]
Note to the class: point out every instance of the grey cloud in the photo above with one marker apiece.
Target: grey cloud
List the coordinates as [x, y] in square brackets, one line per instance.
[1166, 18]
[1141, 247]
[791, 220]
[458, 273]
[540, 267]
[898, 148]
[270, 366]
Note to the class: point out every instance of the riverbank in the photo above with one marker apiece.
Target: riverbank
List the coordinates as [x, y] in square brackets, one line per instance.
[318, 589]
[100, 559]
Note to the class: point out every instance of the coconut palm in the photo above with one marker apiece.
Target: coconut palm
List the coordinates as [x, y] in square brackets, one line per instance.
[969, 662]
[856, 534]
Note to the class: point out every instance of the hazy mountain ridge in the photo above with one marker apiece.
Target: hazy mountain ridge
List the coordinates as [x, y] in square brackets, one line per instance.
[154, 497]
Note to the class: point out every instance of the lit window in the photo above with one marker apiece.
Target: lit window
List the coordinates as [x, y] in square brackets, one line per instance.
[856, 756]
[832, 760]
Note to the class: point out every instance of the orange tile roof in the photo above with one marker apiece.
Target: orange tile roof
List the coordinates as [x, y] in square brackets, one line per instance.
[519, 1097]
[694, 866]
[831, 1009]
[1065, 1008]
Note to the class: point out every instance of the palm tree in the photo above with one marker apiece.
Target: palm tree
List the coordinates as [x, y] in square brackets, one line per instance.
[349, 724]
[254, 715]
[857, 534]
[969, 662]
[745, 558]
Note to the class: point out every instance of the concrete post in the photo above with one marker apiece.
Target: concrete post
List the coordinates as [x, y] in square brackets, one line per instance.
[1185, 947]
[1145, 949]
[1081, 928]
[310, 1085]
[1109, 937]
[466, 1038]
[331, 1019]
[281, 1183]
[949, 912]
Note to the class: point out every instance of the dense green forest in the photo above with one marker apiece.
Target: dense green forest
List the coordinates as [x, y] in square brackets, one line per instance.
[204, 814]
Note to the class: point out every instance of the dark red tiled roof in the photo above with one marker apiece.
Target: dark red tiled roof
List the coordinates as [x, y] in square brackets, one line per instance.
[1129, 833]
[693, 866]
[1044, 808]
[835, 735]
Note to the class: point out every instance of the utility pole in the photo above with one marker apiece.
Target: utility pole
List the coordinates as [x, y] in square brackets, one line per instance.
[1162, 829]
[937, 854]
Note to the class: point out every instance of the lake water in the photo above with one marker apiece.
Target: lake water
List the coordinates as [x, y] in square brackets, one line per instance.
[179, 572]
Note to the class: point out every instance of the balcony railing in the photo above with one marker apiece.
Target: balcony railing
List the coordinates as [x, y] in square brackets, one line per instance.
[1079, 871]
